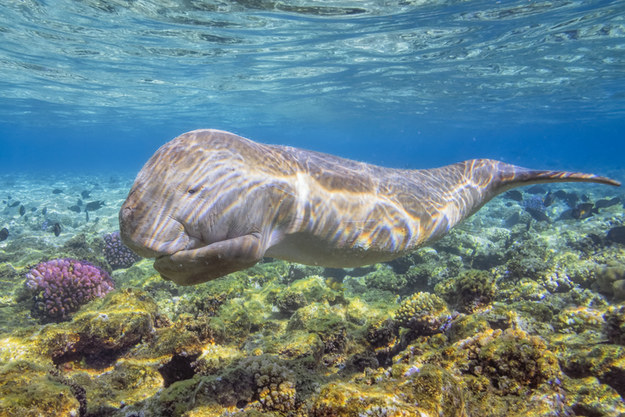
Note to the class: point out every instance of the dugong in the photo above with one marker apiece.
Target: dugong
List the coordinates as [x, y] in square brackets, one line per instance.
[210, 202]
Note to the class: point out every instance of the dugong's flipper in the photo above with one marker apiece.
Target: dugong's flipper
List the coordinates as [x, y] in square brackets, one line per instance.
[194, 266]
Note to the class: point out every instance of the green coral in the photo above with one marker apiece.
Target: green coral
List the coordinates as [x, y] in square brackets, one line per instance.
[104, 329]
[30, 390]
[384, 278]
[308, 290]
[611, 280]
[424, 313]
[615, 324]
[275, 384]
[512, 360]
[470, 291]
[579, 319]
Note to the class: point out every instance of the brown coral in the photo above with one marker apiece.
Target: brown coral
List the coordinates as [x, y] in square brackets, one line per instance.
[511, 360]
[424, 313]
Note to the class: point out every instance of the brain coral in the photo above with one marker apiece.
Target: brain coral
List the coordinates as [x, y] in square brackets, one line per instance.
[61, 286]
[116, 253]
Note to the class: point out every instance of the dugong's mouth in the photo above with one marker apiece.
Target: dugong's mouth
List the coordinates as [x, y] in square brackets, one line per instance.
[156, 236]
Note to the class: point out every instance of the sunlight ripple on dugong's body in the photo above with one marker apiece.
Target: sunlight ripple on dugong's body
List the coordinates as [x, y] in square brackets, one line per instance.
[210, 202]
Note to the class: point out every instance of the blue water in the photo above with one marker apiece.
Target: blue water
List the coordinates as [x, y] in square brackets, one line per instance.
[100, 85]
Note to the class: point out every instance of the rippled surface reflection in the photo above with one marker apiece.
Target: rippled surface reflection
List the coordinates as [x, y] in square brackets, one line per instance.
[197, 59]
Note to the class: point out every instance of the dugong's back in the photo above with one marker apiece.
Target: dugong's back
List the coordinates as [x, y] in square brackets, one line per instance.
[210, 202]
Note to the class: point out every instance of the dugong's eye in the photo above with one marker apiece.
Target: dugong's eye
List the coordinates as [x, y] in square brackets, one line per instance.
[192, 190]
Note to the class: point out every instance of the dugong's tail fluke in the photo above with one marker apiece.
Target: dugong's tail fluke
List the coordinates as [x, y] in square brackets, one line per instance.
[476, 181]
[511, 176]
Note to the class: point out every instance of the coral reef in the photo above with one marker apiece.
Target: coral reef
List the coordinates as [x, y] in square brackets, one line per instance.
[116, 253]
[275, 385]
[61, 286]
[424, 313]
[470, 291]
[511, 360]
[28, 389]
[539, 329]
[615, 324]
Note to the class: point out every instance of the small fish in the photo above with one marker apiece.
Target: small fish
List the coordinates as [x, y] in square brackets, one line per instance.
[75, 208]
[57, 191]
[85, 194]
[549, 199]
[44, 211]
[14, 204]
[538, 214]
[86, 216]
[56, 229]
[33, 209]
[515, 195]
[583, 211]
[22, 210]
[4, 233]
[94, 205]
[79, 202]
[603, 203]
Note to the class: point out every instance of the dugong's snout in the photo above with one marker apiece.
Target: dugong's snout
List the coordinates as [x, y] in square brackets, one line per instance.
[149, 230]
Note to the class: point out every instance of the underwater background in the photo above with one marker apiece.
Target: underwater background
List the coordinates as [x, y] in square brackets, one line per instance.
[519, 311]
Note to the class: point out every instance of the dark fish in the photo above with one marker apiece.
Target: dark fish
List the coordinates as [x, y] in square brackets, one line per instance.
[566, 215]
[603, 203]
[44, 211]
[14, 204]
[22, 210]
[561, 194]
[515, 195]
[79, 202]
[4, 233]
[33, 209]
[56, 229]
[537, 214]
[549, 199]
[86, 216]
[94, 205]
[57, 191]
[571, 199]
[85, 194]
[513, 219]
[617, 234]
[75, 208]
[537, 189]
[583, 211]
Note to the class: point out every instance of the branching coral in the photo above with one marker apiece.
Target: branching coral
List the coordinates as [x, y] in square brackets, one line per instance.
[61, 286]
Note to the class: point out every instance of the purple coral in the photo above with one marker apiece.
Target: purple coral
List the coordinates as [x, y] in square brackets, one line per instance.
[61, 286]
[116, 253]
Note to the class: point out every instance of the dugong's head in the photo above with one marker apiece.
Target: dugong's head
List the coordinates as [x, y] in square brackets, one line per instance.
[157, 218]
[171, 210]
